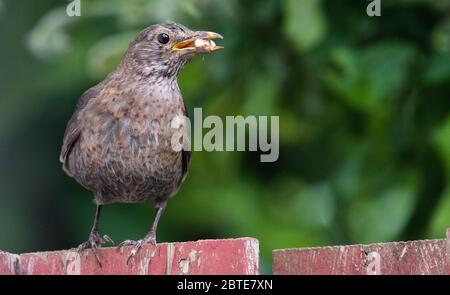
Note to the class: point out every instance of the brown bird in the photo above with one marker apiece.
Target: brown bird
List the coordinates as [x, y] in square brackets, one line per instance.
[118, 142]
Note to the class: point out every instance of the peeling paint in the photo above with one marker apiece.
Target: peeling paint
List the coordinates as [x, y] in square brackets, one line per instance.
[169, 259]
[405, 249]
[13, 262]
[185, 263]
[184, 266]
[145, 262]
[252, 256]
[193, 255]
[143, 265]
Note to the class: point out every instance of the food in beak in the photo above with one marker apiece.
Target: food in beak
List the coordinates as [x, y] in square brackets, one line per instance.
[202, 43]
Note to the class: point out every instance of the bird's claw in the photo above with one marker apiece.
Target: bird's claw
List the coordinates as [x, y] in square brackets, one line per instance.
[150, 239]
[93, 243]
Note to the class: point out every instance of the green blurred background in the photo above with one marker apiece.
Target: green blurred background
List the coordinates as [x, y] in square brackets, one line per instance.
[364, 121]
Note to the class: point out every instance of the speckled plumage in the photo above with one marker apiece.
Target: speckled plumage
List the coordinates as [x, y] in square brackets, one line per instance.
[118, 142]
[123, 151]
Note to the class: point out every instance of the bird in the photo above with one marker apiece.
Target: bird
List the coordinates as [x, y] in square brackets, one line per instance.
[117, 144]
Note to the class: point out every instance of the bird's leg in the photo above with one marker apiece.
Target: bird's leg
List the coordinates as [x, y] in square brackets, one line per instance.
[149, 238]
[95, 239]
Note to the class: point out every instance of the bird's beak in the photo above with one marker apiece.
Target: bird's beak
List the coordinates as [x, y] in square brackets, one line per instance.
[201, 42]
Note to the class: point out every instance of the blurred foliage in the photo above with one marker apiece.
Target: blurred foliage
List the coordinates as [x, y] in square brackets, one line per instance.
[364, 116]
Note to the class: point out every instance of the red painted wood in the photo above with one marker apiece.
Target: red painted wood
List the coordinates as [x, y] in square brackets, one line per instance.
[319, 261]
[241, 256]
[231, 256]
[412, 258]
[396, 258]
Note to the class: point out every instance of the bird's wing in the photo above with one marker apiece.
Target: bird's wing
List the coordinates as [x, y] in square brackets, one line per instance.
[186, 155]
[73, 129]
[186, 161]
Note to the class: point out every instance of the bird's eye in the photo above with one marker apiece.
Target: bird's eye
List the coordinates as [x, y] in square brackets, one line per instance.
[163, 38]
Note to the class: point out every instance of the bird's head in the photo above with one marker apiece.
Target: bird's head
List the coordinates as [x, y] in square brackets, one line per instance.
[162, 50]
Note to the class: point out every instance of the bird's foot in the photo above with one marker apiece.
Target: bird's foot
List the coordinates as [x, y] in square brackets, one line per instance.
[94, 242]
[149, 239]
